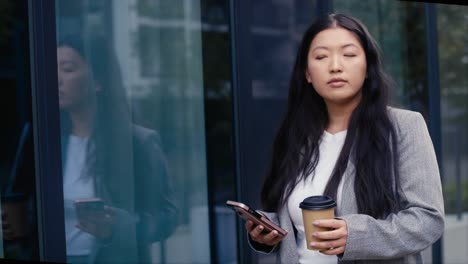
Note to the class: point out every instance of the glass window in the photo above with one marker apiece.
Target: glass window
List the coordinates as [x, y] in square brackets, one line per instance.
[131, 96]
[18, 235]
[276, 30]
[452, 25]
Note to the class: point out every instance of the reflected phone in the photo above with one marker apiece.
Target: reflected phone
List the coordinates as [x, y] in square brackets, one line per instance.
[258, 218]
[89, 207]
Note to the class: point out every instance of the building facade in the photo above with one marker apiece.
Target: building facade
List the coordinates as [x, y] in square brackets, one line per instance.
[176, 103]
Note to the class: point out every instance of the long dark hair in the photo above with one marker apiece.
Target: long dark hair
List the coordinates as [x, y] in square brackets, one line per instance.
[110, 144]
[370, 141]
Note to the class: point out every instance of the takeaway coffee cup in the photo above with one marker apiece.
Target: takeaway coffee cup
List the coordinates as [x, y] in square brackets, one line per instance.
[15, 208]
[316, 208]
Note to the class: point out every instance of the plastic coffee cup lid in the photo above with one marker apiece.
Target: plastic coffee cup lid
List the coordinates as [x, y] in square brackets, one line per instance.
[318, 202]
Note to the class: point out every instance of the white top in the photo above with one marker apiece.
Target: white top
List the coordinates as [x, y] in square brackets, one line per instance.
[330, 147]
[76, 185]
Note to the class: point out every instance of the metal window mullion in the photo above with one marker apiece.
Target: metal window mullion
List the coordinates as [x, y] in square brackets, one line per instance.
[46, 127]
[433, 85]
[240, 23]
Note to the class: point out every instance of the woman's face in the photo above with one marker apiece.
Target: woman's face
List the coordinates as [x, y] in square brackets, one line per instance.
[74, 80]
[336, 66]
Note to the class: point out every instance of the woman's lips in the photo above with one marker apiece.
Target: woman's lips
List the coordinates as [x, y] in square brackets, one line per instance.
[337, 83]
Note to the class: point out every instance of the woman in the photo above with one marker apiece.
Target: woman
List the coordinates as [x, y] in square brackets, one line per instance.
[339, 138]
[105, 156]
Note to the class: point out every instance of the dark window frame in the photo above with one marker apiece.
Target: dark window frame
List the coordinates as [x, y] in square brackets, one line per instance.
[433, 85]
[46, 125]
[241, 77]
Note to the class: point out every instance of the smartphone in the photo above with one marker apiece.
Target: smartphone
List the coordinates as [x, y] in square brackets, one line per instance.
[259, 219]
[90, 207]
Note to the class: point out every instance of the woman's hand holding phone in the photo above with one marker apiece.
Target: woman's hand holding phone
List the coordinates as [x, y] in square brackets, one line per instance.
[258, 234]
[257, 224]
[98, 224]
[95, 218]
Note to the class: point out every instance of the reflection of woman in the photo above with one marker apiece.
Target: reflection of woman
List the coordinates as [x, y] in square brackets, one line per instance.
[339, 138]
[105, 156]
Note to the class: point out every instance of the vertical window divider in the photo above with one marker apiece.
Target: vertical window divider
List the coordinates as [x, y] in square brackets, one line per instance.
[434, 98]
[46, 128]
[240, 19]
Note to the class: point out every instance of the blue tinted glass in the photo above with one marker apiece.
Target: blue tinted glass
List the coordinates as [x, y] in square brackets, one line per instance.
[133, 131]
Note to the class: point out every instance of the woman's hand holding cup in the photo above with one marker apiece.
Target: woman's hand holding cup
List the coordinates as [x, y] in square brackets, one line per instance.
[331, 242]
[323, 231]
[258, 235]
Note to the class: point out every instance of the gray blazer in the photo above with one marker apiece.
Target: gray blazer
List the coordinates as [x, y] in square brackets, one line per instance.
[400, 237]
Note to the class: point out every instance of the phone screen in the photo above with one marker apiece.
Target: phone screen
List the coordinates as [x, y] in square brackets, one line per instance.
[89, 207]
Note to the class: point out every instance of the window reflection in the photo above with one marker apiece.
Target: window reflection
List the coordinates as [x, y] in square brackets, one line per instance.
[276, 31]
[133, 138]
[107, 157]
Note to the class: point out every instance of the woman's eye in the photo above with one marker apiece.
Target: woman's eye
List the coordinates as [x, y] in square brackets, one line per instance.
[68, 69]
[320, 57]
[67, 66]
[350, 55]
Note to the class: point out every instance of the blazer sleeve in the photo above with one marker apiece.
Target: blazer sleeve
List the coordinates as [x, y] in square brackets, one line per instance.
[157, 212]
[421, 221]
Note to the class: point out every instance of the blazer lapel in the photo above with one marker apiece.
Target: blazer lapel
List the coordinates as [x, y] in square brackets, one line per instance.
[347, 203]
